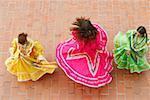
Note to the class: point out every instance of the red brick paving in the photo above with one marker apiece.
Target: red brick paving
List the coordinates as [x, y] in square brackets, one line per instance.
[49, 22]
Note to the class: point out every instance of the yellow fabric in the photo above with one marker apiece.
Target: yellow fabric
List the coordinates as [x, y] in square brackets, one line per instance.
[25, 66]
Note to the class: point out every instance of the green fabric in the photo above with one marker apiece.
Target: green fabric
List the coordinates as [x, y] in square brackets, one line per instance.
[136, 61]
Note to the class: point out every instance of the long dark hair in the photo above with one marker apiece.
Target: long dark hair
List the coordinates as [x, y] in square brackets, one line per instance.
[85, 29]
[142, 31]
[22, 38]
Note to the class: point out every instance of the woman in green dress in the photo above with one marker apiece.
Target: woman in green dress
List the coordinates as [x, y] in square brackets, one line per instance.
[130, 50]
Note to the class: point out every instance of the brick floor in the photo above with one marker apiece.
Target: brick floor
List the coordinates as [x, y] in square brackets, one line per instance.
[49, 22]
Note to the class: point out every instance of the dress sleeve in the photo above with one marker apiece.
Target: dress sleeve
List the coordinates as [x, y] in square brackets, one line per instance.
[13, 47]
[127, 36]
[143, 51]
[39, 50]
[101, 39]
[74, 34]
[129, 33]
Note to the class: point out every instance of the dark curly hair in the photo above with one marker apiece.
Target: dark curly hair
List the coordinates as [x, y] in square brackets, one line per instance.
[22, 38]
[85, 29]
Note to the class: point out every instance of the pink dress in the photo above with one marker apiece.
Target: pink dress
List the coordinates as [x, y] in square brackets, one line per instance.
[87, 63]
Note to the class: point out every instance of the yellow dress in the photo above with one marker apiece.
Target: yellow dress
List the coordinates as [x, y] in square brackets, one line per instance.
[26, 66]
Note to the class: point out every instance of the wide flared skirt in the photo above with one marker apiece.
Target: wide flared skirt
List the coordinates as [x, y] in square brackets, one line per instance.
[80, 68]
[25, 70]
[131, 62]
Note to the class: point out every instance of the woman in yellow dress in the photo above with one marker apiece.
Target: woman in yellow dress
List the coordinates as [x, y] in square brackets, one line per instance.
[27, 61]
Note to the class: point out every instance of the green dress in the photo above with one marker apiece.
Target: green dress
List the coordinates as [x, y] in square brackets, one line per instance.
[136, 60]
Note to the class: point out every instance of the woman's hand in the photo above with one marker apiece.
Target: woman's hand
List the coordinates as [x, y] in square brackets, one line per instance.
[38, 61]
[128, 52]
[22, 50]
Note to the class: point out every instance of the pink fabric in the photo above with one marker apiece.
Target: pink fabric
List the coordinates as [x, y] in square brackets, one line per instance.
[86, 63]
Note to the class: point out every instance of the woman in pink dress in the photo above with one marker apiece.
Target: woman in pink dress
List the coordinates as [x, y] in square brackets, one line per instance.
[84, 58]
